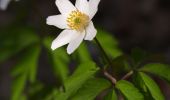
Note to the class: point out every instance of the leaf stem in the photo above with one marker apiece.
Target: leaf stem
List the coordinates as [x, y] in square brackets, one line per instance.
[102, 50]
[127, 75]
[110, 77]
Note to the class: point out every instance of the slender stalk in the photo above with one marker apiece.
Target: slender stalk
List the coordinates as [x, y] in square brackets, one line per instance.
[110, 77]
[102, 50]
[127, 75]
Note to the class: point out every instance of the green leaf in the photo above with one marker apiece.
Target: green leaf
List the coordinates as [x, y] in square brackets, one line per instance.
[152, 87]
[18, 87]
[111, 95]
[129, 90]
[52, 95]
[83, 53]
[161, 70]
[109, 43]
[139, 83]
[15, 40]
[59, 60]
[26, 68]
[33, 63]
[91, 89]
[83, 73]
[28, 63]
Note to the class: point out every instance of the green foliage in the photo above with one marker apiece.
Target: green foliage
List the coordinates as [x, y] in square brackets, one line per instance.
[109, 43]
[83, 83]
[83, 53]
[26, 68]
[161, 70]
[111, 95]
[152, 87]
[91, 89]
[83, 73]
[139, 83]
[28, 63]
[129, 90]
[59, 59]
[14, 40]
[18, 87]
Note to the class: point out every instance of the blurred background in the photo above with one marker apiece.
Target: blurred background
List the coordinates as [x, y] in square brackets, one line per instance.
[134, 23]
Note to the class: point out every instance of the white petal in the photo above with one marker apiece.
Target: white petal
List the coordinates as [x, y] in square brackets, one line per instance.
[90, 32]
[4, 4]
[74, 44]
[83, 6]
[64, 38]
[65, 6]
[93, 7]
[58, 21]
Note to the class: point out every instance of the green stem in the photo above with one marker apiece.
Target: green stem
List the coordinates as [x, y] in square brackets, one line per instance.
[110, 77]
[102, 50]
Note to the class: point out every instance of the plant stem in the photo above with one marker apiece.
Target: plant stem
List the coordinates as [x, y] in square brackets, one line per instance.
[127, 75]
[110, 77]
[102, 50]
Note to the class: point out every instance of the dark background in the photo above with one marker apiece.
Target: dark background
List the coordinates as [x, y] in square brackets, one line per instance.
[135, 23]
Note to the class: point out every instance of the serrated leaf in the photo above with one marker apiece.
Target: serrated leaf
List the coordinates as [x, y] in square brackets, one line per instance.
[59, 60]
[139, 83]
[161, 70]
[109, 43]
[18, 87]
[129, 91]
[15, 40]
[111, 95]
[91, 89]
[152, 87]
[84, 72]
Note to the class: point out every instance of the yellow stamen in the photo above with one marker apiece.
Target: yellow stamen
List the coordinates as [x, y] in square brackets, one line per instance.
[77, 20]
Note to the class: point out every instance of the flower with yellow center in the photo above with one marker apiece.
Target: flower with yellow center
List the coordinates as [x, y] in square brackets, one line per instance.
[76, 22]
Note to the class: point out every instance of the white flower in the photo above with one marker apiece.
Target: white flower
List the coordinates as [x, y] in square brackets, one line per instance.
[76, 20]
[4, 4]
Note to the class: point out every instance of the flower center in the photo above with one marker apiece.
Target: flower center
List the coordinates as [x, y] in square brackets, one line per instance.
[77, 20]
